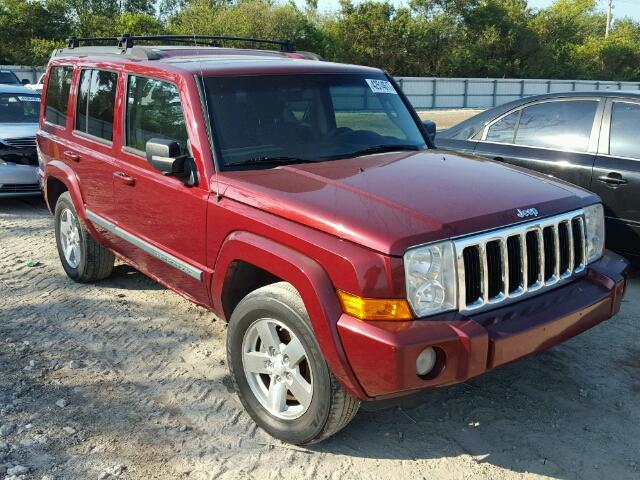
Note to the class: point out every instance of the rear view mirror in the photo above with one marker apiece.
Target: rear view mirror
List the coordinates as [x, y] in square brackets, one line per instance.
[165, 155]
[430, 127]
[25, 81]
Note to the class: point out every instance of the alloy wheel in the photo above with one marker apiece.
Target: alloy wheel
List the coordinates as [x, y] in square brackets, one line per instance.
[277, 369]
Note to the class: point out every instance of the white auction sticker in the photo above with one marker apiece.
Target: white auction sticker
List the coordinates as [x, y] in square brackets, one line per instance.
[381, 86]
[29, 99]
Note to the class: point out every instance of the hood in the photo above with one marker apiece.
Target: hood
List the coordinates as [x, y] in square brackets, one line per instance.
[17, 130]
[391, 202]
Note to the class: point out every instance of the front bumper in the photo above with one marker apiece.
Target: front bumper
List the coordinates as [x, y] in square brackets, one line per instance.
[18, 181]
[383, 354]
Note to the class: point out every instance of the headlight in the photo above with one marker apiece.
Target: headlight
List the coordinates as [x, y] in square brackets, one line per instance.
[431, 278]
[594, 219]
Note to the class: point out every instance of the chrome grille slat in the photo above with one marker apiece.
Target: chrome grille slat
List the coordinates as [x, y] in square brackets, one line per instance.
[571, 260]
[556, 251]
[505, 266]
[484, 277]
[501, 272]
[583, 244]
[541, 260]
[523, 262]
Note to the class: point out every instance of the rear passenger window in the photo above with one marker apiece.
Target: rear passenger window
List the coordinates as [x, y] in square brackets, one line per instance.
[153, 111]
[504, 129]
[623, 136]
[58, 95]
[564, 125]
[96, 102]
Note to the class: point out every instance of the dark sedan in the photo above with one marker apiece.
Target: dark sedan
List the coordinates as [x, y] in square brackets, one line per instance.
[591, 139]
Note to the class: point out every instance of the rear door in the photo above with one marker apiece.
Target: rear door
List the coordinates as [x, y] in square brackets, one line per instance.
[91, 151]
[558, 137]
[64, 135]
[160, 221]
[616, 174]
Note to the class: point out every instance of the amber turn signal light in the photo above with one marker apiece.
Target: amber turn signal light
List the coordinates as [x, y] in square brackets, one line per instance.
[374, 308]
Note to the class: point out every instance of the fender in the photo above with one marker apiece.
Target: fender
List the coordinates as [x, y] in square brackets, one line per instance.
[63, 172]
[311, 281]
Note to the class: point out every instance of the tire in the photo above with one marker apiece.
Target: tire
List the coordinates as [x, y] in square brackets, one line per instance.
[89, 261]
[323, 412]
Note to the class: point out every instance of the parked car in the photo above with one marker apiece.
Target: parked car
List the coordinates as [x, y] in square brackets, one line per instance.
[303, 202]
[38, 85]
[8, 77]
[587, 138]
[19, 112]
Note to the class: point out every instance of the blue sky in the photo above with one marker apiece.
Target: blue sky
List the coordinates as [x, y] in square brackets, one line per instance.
[622, 8]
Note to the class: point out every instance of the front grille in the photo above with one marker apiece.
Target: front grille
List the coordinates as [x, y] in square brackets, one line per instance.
[19, 188]
[505, 264]
[24, 142]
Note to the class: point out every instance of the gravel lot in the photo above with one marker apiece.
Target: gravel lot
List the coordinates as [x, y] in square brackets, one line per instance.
[124, 379]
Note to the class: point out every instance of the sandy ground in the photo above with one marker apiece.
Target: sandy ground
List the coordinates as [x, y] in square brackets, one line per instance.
[447, 118]
[124, 379]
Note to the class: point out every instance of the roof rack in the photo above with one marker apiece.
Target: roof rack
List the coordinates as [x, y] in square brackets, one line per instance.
[127, 41]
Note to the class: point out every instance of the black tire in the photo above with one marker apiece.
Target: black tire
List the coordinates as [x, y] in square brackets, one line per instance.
[95, 262]
[331, 407]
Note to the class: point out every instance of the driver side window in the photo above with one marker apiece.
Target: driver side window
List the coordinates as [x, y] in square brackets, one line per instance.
[153, 111]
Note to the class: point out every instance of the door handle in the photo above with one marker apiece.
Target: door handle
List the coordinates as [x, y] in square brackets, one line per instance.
[69, 155]
[124, 178]
[613, 179]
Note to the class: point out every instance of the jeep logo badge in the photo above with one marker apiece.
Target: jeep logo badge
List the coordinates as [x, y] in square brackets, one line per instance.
[529, 212]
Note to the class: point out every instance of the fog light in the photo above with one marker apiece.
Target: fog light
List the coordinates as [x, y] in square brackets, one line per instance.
[426, 361]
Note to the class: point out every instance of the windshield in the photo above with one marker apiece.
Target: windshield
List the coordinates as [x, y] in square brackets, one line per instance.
[311, 117]
[7, 76]
[18, 108]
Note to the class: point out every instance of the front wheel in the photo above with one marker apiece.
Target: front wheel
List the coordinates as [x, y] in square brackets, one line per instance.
[279, 372]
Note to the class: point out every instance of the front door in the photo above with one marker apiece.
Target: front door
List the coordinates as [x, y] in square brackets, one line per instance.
[160, 220]
[556, 137]
[616, 174]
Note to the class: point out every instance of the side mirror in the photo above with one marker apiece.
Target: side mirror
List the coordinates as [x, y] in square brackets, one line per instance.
[25, 81]
[430, 127]
[164, 155]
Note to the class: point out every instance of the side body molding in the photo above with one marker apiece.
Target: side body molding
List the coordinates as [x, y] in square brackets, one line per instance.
[311, 281]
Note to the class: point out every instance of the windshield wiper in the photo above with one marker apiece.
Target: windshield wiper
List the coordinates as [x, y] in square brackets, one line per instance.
[274, 160]
[392, 147]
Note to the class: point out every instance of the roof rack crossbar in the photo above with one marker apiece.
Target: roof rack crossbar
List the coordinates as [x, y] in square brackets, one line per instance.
[127, 41]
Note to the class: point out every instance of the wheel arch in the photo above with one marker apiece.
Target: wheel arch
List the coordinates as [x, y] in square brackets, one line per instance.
[307, 277]
[61, 178]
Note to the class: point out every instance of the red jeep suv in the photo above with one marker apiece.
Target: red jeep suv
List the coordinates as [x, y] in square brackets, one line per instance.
[303, 201]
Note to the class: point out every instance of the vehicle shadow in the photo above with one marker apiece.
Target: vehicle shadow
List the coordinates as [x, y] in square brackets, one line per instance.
[126, 277]
[22, 202]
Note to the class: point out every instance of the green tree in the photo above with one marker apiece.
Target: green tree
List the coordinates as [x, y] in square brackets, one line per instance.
[247, 18]
[21, 21]
[138, 24]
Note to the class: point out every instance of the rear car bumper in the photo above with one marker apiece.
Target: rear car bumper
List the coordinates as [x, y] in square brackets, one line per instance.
[383, 354]
[18, 181]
